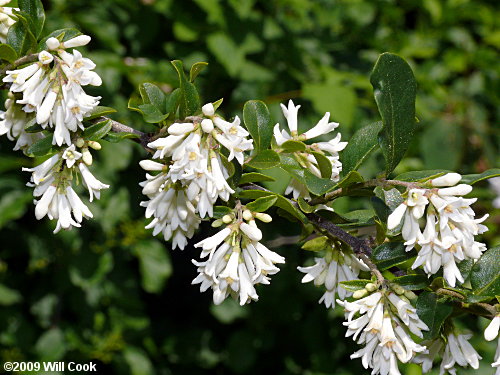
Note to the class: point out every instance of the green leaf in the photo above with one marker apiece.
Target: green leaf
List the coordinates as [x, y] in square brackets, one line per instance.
[9, 296]
[361, 144]
[354, 285]
[155, 265]
[316, 244]
[391, 254]
[394, 89]
[254, 177]
[314, 184]
[412, 282]
[189, 100]
[262, 204]
[97, 131]
[324, 165]
[258, 122]
[281, 202]
[293, 146]
[152, 94]
[264, 159]
[421, 176]
[32, 126]
[196, 69]
[393, 198]
[51, 345]
[433, 313]
[13, 205]
[113, 137]
[41, 147]
[20, 38]
[471, 179]
[99, 111]
[34, 8]
[353, 177]
[485, 274]
[172, 101]
[8, 53]
[151, 113]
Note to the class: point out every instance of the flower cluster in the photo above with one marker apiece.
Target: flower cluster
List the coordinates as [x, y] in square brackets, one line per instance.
[338, 264]
[456, 350]
[6, 20]
[191, 172]
[237, 261]
[52, 182]
[52, 90]
[382, 324]
[307, 160]
[448, 237]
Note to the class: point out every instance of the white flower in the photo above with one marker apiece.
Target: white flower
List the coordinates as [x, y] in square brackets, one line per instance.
[491, 332]
[52, 87]
[459, 351]
[93, 185]
[6, 20]
[335, 267]
[449, 179]
[330, 148]
[172, 211]
[77, 41]
[71, 156]
[13, 122]
[208, 109]
[383, 332]
[236, 262]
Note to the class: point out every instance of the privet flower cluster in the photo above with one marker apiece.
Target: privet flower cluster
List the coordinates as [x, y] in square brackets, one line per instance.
[337, 265]
[450, 226]
[52, 182]
[49, 92]
[237, 261]
[330, 148]
[382, 323]
[52, 92]
[191, 173]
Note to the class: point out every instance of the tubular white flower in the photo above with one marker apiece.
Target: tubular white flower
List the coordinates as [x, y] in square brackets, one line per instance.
[384, 333]
[180, 128]
[461, 189]
[335, 267]
[491, 332]
[396, 216]
[459, 351]
[236, 262]
[321, 128]
[6, 20]
[93, 185]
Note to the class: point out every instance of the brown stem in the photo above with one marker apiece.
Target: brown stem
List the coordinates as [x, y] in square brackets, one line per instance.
[118, 127]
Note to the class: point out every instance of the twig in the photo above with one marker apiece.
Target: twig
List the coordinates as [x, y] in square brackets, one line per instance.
[118, 127]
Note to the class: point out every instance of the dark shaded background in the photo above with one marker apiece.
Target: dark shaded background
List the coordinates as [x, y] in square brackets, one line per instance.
[111, 293]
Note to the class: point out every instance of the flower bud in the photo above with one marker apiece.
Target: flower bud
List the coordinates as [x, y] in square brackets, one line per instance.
[448, 179]
[45, 58]
[359, 293]
[207, 125]
[461, 189]
[208, 109]
[86, 156]
[227, 219]
[180, 128]
[247, 215]
[79, 41]
[95, 145]
[52, 43]
[398, 289]
[263, 217]
[410, 295]
[80, 143]
[217, 223]
[251, 231]
[371, 287]
[150, 165]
